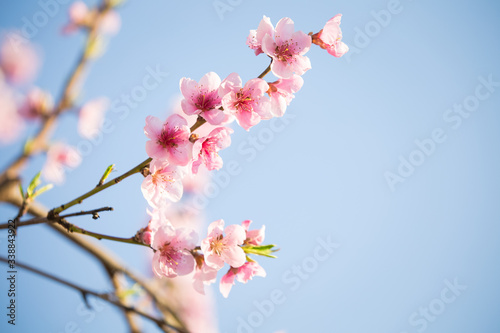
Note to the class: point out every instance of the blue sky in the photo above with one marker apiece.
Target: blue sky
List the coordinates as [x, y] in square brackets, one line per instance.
[389, 153]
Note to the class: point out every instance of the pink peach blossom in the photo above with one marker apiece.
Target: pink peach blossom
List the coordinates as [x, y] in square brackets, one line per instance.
[330, 37]
[287, 49]
[163, 183]
[169, 140]
[204, 275]
[60, 156]
[37, 103]
[91, 117]
[281, 93]
[11, 124]
[18, 59]
[247, 103]
[203, 98]
[254, 39]
[219, 249]
[243, 274]
[196, 311]
[81, 16]
[253, 237]
[172, 256]
[206, 150]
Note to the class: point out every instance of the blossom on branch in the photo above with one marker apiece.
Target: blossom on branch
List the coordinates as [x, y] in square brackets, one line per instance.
[206, 149]
[163, 182]
[287, 49]
[281, 93]
[247, 103]
[254, 39]
[172, 246]
[169, 140]
[243, 274]
[330, 37]
[203, 98]
[219, 249]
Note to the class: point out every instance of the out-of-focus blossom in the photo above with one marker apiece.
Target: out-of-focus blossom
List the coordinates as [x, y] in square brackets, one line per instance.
[80, 16]
[169, 140]
[11, 124]
[18, 59]
[330, 37]
[195, 183]
[59, 157]
[36, 104]
[196, 311]
[91, 117]
[206, 150]
[287, 49]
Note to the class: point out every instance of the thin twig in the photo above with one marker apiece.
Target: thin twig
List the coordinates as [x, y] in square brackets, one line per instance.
[267, 70]
[54, 212]
[106, 297]
[38, 220]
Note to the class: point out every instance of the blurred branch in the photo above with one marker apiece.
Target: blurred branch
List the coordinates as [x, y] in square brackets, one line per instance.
[40, 140]
[106, 297]
[129, 316]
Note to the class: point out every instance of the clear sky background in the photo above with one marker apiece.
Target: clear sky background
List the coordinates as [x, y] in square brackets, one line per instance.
[321, 175]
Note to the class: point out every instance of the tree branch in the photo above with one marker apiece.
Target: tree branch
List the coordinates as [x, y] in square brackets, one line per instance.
[160, 322]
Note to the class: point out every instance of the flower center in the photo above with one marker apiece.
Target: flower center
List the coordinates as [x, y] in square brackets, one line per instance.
[169, 253]
[168, 139]
[217, 245]
[284, 52]
[244, 101]
[207, 100]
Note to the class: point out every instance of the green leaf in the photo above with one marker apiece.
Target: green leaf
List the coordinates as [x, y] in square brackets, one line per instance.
[109, 169]
[262, 250]
[34, 183]
[42, 190]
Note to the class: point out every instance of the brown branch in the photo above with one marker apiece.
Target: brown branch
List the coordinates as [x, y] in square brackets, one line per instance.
[106, 257]
[129, 316]
[106, 297]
